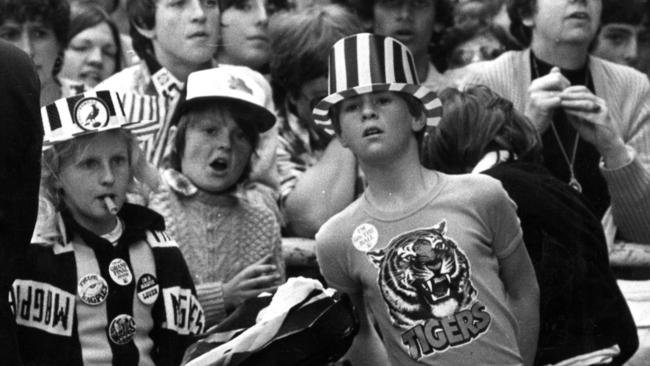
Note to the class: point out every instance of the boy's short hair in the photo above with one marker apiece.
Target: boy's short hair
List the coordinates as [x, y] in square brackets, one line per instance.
[475, 122]
[414, 105]
[240, 112]
[300, 43]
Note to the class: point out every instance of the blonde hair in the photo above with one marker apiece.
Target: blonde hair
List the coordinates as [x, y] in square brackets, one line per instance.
[54, 158]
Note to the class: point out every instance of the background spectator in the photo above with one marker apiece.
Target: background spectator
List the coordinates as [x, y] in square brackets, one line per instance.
[94, 49]
[244, 33]
[620, 27]
[40, 29]
[317, 175]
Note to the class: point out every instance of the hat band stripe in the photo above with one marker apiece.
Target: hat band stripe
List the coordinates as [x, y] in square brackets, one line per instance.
[408, 72]
[377, 66]
[105, 96]
[389, 71]
[397, 64]
[72, 101]
[53, 117]
[351, 75]
[413, 73]
[338, 57]
[363, 61]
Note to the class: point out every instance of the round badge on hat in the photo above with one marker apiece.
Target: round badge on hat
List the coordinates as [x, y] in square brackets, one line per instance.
[121, 329]
[92, 289]
[147, 289]
[365, 237]
[91, 113]
[120, 272]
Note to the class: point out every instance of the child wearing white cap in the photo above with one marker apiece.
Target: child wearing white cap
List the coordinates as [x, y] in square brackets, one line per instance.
[437, 260]
[227, 227]
[102, 283]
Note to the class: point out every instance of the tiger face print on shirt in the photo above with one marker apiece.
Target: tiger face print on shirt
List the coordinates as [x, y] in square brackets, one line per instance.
[424, 278]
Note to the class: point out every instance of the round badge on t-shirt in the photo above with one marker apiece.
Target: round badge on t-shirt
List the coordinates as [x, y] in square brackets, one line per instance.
[365, 237]
[121, 329]
[92, 289]
[120, 272]
[147, 289]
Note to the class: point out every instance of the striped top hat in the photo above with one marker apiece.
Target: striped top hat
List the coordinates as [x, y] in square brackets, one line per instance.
[81, 114]
[365, 63]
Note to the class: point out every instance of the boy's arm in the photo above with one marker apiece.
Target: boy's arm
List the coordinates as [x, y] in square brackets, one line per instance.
[321, 191]
[367, 348]
[522, 291]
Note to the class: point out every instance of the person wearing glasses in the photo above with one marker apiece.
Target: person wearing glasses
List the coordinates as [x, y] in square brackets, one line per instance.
[317, 175]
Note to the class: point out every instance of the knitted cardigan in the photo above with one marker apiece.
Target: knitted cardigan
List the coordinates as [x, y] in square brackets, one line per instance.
[218, 234]
[627, 93]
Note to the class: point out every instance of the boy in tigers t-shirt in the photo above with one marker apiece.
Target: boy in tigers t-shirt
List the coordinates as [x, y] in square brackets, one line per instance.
[438, 261]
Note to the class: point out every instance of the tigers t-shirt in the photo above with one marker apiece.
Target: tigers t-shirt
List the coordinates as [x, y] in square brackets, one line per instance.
[429, 272]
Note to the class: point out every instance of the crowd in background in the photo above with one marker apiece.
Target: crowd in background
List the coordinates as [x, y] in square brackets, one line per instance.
[225, 138]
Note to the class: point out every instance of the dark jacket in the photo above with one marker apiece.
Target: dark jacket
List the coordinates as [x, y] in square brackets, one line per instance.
[49, 331]
[581, 306]
[21, 137]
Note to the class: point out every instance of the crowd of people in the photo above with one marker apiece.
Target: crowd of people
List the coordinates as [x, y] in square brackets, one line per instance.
[474, 175]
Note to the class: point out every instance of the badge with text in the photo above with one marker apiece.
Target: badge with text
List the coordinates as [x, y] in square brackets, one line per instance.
[120, 272]
[147, 289]
[122, 329]
[92, 289]
[365, 237]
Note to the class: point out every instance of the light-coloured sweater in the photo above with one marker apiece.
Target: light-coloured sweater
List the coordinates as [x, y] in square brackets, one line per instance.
[218, 234]
[627, 94]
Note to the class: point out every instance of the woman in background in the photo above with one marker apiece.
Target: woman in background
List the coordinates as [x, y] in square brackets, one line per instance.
[94, 50]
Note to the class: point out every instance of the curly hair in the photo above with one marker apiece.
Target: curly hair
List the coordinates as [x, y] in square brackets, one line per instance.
[475, 122]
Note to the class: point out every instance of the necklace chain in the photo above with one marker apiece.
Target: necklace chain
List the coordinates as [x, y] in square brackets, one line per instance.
[573, 181]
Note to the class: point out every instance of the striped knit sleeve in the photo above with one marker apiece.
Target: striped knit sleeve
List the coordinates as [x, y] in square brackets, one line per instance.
[212, 300]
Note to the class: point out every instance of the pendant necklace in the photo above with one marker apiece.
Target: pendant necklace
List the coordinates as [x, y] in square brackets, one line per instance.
[573, 181]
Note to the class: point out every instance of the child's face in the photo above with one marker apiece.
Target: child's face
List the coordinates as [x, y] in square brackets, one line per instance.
[216, 151]
[377, 126]
[410, 22]
[99, 169]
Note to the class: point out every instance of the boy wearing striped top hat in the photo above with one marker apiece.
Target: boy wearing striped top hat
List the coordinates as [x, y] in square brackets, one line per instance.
[438, 261]
[101, 283]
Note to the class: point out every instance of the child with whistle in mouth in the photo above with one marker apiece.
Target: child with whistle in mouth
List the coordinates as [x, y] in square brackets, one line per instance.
[227, 227]
[109, 266]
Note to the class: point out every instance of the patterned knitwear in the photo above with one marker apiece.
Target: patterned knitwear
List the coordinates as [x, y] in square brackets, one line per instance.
[218, 234]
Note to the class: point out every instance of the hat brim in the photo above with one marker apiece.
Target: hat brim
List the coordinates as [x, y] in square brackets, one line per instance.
[429, 99]
[263, 123]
